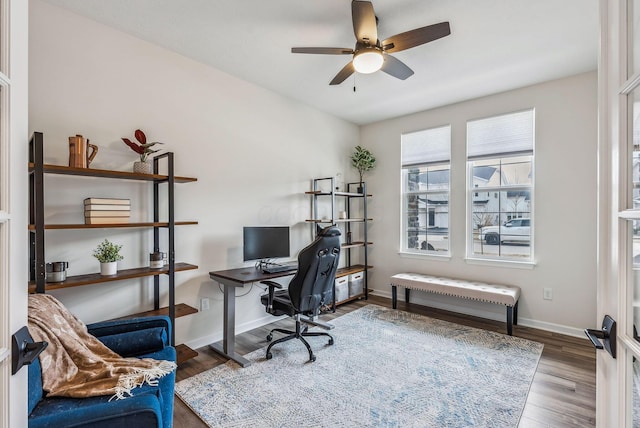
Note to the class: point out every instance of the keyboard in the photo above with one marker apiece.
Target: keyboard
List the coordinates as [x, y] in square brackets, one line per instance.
[279, 269]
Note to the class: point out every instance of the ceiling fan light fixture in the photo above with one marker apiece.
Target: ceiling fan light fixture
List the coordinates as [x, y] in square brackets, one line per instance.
[368, 60]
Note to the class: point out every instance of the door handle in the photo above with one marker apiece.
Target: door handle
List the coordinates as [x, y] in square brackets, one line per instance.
[24, 350]
[607, 334]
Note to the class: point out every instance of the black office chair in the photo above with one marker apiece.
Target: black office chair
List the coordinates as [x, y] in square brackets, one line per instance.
[310, 288]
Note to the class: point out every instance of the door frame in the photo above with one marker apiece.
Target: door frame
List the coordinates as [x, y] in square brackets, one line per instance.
[614, 388]
[14, 43]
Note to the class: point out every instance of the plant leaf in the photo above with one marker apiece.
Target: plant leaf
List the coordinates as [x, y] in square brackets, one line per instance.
[140, 136]
[147, 145]
[136, 148]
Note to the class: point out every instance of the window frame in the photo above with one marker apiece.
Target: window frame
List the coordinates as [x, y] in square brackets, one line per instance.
[405, 193]
[471, 189]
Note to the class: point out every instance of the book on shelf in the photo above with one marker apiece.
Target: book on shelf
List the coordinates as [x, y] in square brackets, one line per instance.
[97, 213]
[106, 207]
[107, 201]
[105, 220]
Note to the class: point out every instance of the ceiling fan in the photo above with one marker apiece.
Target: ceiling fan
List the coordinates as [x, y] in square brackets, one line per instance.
[371, 54]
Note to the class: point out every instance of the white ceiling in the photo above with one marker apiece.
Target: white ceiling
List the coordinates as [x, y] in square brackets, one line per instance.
[494, 46]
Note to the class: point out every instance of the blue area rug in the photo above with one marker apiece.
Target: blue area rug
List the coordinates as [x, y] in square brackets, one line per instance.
[387, 368]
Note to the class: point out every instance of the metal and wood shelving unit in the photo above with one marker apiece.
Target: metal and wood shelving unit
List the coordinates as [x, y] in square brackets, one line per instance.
[37, 227]
[356, 193]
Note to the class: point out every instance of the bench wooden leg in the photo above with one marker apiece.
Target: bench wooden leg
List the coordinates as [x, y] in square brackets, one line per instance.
[406, 294]
[515, 314]
[394, 296]
[510, 313]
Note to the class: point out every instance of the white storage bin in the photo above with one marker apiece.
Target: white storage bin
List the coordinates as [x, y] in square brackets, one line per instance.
[342, 289]
[356, 284]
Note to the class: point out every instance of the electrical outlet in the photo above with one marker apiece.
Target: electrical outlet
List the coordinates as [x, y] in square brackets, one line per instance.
[204, 303]
[547, 294]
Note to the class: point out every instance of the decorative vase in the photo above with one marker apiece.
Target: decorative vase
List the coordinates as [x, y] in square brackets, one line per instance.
[142, 167]
[110, 268]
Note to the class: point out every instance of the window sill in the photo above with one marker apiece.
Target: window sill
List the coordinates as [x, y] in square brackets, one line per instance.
[500, 263]
[425, 256]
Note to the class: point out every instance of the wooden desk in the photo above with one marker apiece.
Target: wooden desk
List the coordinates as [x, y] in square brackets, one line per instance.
[231, 279]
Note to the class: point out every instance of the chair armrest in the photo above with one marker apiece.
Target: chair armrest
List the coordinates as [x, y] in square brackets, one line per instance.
[107, 328]
[272, 287]
[271, 284]
[133, 337]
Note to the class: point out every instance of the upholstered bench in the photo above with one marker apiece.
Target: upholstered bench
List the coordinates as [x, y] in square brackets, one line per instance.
[493, 293]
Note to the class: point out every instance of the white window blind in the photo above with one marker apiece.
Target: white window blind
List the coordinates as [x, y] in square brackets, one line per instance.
[429, 146]
[506, 135]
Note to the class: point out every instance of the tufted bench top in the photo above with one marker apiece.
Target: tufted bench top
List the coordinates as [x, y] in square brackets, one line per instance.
[493, 293]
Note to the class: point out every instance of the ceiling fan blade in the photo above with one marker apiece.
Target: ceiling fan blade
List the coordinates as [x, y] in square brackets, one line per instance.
[326, 51]
[364, 22]
[416, 37]
[396, 68]
[346, 71]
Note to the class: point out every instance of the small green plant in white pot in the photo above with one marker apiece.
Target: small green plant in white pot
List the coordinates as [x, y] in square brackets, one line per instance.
[108, 255]
[364, 161]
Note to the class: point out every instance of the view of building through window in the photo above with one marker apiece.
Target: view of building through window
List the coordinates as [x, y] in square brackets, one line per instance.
[500, 168]
[425, 186]
[500, 181]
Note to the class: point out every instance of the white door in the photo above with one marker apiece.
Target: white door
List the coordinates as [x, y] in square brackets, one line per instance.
[618, 387]
[13, 203]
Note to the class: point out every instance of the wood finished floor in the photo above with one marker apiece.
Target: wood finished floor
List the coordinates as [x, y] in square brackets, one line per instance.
[563, 392]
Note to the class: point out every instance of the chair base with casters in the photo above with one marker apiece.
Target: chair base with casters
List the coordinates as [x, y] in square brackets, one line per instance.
[300, 333]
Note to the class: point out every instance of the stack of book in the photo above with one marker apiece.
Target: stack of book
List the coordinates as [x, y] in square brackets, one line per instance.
[106, 210]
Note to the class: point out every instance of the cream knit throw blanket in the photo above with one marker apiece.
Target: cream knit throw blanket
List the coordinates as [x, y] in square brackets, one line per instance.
[76, 364]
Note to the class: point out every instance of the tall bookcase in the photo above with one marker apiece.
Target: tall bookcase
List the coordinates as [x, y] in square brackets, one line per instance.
[37, 228]
[353, 199]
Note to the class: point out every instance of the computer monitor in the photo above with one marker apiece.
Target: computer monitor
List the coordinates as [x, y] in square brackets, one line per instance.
[265, 242]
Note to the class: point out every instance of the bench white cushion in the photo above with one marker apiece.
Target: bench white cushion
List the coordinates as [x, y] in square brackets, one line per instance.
[493, 293]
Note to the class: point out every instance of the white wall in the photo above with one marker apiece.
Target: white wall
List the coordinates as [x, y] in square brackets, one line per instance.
[564, 198]
[254, 153]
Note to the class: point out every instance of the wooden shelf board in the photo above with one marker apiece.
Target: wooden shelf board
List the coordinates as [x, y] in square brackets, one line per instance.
[352, 194]
[355, 244]
[348, 270]
[105, 173]
[350, 299]
[339, 220]
[184, 353]
[112, 225]
[348, 194]
[182, 310]
[96, 278]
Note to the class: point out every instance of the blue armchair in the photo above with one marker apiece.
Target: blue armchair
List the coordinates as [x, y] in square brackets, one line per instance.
[150, 406]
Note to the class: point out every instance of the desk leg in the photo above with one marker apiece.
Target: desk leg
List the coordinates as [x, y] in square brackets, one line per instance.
[229, 331]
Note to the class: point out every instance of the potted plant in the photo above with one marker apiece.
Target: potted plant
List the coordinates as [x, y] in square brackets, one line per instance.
[108, 255]
[362, 160]
[144, 149]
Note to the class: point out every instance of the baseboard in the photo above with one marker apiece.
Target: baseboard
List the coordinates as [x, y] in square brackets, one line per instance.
[240, 328]
[476, 312]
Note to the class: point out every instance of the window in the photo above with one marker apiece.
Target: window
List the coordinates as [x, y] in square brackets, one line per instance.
[426, 162]
[500, 162]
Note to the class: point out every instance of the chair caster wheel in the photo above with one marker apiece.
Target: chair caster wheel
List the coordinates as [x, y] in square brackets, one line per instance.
[269, 355]
[269, 337]
[330, 342]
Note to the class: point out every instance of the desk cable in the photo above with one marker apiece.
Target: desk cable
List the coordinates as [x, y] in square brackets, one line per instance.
[237, 295]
